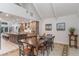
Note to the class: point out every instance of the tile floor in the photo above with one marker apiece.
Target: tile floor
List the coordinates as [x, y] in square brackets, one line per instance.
[7, 46]
[11, 49]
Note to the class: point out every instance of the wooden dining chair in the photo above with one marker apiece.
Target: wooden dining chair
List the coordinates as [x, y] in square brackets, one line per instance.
[41, 49]
[49, 43]
[29, 50]
[21, 48]
[25, 49]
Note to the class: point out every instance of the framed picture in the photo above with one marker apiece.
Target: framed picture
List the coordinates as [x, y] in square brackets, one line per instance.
[48, 27]
[60, 26]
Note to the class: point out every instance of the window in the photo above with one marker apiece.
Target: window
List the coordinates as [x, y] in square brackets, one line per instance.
[6, 29]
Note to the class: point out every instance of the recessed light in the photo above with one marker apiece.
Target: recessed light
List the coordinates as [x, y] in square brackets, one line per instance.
[7, 15]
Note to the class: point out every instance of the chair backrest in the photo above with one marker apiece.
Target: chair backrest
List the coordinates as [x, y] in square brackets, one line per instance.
[50, 37]
[31, 53]
[23, 46]
[49, 34]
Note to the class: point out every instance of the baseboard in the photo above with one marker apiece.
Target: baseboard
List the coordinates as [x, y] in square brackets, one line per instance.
[60, 43]
[63, 44]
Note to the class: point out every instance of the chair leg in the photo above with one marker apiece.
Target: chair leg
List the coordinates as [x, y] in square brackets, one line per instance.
[43, 51]
[47, 51]
[19, 52]
[37, 51]
[51, 47]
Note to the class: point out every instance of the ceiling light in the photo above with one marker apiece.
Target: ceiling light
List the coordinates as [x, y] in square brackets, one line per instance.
[7, 15]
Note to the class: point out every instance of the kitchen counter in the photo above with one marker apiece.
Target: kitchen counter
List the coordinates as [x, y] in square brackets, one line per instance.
[14, 36]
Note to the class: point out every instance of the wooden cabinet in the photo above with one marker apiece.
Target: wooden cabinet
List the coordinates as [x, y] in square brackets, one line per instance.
[34, 25]
[22, 27]
[74, 39]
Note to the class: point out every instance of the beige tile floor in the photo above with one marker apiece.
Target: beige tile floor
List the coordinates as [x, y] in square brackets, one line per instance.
[10, 49]
[57, 51]
[73, 52]
[7, 46]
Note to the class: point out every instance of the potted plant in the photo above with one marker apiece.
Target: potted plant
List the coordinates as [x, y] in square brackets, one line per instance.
[72, 30]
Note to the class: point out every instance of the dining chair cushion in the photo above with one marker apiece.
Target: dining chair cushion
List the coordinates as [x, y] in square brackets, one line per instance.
[27, 50]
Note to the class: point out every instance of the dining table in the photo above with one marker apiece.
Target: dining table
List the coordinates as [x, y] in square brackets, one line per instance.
[30, 38]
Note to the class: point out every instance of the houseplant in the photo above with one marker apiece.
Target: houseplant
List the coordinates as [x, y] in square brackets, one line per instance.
[71, 30]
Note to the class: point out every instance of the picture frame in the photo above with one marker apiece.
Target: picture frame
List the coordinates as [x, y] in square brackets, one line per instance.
[48, 27]
[60, 26]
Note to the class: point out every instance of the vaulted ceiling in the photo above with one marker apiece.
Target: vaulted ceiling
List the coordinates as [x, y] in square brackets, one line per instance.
[46, 10]
[49, 10]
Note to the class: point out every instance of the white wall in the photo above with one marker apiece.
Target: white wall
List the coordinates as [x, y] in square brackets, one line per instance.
[61, 36]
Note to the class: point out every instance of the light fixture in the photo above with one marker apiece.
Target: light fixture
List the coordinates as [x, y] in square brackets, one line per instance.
[7, 15]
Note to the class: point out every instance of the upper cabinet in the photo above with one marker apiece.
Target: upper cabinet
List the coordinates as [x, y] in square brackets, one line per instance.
[34, 25]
